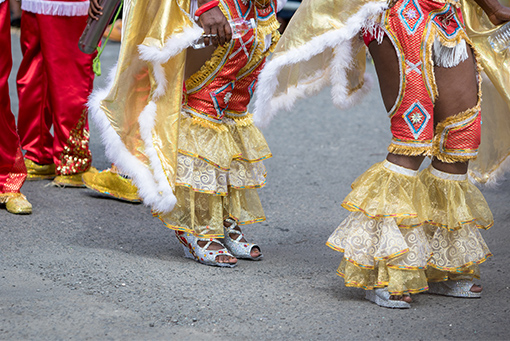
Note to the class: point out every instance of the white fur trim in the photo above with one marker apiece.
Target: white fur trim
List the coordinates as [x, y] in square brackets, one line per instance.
[1, 1]
[117, 152]
[58, 8]
[266, 106]
[449, 56]
[173, 45]
[153, 186]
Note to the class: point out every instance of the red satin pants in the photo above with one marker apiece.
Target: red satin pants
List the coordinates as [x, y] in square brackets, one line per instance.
[54, 81]
[12, 168]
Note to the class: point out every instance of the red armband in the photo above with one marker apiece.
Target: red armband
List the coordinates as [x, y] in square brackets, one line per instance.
[204, 8]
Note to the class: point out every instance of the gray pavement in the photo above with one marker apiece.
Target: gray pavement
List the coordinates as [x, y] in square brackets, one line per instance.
[87, 267]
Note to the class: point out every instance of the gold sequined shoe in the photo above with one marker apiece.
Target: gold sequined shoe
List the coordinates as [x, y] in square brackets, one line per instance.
[16, 203]
[110, 183]
[74, 180]
[36, 171]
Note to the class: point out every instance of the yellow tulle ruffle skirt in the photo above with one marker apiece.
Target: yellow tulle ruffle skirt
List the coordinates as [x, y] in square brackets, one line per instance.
[407, 229]
[219, 168]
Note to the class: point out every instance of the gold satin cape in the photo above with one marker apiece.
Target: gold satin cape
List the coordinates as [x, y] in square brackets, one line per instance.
[322, 46]
[138, 112]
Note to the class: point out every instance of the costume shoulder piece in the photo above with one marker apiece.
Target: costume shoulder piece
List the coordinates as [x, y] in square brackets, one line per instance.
[494, 153]
[138, 112]
[321, 46]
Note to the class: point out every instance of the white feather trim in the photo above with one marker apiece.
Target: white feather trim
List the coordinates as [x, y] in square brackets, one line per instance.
[280, 4]
[161, 199]
[173, 45]
[266, 106]
[449, 56]
[152, 183]
[58, 8]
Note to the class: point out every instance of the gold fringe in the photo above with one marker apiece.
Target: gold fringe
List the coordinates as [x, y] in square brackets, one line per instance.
[409, 151]
[242, 121]
[208, 124]
[268, 26]
[209, 66]
[259, 53]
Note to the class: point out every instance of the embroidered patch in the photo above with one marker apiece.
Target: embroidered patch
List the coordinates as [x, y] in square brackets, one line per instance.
[411, 15]
[221, 97]
[416, 118]
[447, 22]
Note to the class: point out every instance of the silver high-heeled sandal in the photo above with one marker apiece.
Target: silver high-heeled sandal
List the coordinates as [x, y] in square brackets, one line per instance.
[381, 297]
[460, 288]
[200, 254]
[235, 246]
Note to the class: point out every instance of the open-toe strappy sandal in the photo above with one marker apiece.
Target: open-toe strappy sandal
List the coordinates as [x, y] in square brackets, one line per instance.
[235, 246]
[201, 254]
[381, 297]
[460, 288]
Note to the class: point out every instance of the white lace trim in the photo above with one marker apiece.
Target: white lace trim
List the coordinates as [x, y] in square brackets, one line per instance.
[399, 169]
[201, 176]
[59, 8]
[447, 176]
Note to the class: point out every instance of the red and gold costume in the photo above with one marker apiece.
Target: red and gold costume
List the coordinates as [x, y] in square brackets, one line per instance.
[54, 81]
[406, 228]
[12, 168]
[190, 146]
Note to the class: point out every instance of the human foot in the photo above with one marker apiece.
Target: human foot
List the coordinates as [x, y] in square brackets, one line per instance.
[234, 240]
[405, 298]
[214, 245]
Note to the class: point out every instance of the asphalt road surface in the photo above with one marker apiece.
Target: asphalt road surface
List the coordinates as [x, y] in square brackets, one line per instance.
[87, 267]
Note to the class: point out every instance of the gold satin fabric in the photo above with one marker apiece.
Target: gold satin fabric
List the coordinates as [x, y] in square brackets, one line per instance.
[148, 23]
[313, 19]
[495, 146]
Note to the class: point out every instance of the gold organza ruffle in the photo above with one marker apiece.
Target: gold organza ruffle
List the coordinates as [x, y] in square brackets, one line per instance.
[398, 281]
[203, 177]
[466, 273]
[203, 214]
[380, 251]
[219, 146]
[455, 203]
[383, 193]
